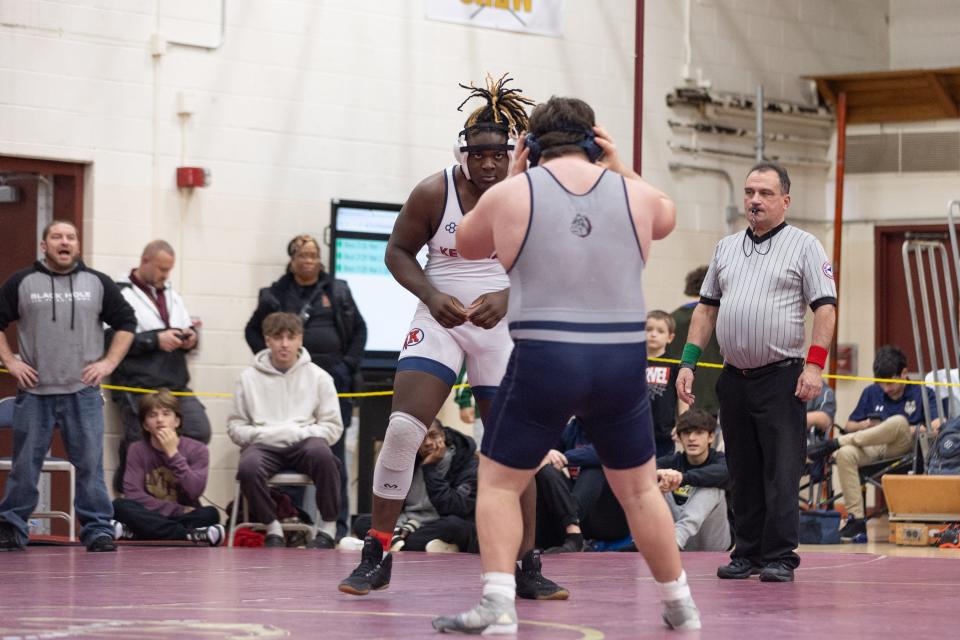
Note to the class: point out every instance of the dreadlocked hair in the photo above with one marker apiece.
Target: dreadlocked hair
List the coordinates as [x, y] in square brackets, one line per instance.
[504, 107]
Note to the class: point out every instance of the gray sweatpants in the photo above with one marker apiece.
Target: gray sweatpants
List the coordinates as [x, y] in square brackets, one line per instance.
[701, 522]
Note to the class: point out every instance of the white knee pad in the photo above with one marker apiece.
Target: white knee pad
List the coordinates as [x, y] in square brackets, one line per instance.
[394, 471]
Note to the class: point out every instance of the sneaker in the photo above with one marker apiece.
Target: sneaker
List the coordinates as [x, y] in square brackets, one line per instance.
[495, 615]
[532, 585]
[102, 544]
[373, 572]
[855, 530]
[681, 614]
[8, 538]
[120, 531]
[213, 535]
[776, 572]
[571, 544]
[738, 569]
[441, 546]
[273, 541]
[821, 450]
[322, 541]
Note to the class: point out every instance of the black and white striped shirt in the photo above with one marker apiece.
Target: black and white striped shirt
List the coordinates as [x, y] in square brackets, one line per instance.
[763, 285]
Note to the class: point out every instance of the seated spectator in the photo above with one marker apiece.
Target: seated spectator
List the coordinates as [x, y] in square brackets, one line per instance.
[662, 381]
[821, 413]
[694, 484]
[438, 512]
[158, 356]
[883, 425]
[164, 479]
[822, 410]
[573, 496]
[285, 416]
[334, 332]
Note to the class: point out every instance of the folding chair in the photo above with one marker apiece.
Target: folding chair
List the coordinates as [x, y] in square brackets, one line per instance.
[289, 478]
[816, 492]
[50, 465]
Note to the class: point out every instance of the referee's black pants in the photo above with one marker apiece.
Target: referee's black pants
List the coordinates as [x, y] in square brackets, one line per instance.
[764, 434]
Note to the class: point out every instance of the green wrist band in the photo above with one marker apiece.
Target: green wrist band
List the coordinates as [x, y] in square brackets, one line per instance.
[691, 353]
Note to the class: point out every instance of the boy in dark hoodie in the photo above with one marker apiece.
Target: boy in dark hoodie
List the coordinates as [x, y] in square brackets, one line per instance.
[694, 482]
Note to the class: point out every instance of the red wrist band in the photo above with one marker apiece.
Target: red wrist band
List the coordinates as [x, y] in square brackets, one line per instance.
[817, 355]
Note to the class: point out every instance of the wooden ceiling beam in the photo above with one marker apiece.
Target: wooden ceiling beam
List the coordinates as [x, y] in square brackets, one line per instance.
[942, 96]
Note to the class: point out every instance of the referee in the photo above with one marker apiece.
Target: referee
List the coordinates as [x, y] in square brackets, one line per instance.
[755, 293]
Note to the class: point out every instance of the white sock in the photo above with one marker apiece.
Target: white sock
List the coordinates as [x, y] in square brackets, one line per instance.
[274, 529]
[501, 584]
[675, 590]
[329, 528]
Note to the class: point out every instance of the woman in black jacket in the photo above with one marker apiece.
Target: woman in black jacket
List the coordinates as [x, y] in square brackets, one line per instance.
[334, 333]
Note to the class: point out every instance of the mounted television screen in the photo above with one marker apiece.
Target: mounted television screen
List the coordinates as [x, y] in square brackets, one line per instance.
[358, 242]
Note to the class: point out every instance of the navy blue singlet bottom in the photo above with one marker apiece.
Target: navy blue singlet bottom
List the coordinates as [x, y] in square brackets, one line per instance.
[546, 383]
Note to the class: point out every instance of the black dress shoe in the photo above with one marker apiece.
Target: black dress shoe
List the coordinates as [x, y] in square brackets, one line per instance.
[273, 541]
[102, 544]
[821, 450]
[738, 569]
[776, 572]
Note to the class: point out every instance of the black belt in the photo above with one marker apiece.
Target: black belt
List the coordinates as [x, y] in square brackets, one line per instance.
[764, 370]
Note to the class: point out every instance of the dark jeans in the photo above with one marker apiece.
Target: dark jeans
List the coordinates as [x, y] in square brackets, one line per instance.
[452, 529]
[80, 418]
[765, 435]
[311, 457]
[151, 525]
[194, 424]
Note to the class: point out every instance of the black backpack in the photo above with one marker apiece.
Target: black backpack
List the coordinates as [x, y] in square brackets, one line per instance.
[944, 456]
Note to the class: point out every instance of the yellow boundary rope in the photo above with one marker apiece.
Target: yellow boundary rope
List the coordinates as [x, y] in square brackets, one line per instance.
[375, 394]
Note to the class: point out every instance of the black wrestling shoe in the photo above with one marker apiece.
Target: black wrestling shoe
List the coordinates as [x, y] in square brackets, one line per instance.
[531, 583]
[8, 538]
[776, 572]
[738, 569]
[102, 544]
[373, 573]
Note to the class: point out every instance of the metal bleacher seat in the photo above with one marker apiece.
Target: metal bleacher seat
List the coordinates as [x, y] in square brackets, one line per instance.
[50, 465]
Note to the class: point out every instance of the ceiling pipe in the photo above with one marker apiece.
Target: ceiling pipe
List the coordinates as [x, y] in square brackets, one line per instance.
[638, 90]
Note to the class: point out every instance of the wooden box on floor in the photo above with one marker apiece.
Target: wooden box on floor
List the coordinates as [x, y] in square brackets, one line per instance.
[922, 498]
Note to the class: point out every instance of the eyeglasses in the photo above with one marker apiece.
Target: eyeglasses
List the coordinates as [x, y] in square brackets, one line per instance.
[307, 256]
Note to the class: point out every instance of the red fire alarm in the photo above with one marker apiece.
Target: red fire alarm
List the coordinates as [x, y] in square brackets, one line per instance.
[190, 177]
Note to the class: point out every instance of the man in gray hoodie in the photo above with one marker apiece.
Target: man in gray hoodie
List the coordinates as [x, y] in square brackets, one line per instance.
[285, 416]
[60, 306]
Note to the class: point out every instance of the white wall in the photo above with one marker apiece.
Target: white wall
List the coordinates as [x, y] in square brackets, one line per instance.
[923, 34]
[315, 99]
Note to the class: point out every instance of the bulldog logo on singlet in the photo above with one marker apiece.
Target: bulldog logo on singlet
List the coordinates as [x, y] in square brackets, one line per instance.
[581, 226]
[413, 338]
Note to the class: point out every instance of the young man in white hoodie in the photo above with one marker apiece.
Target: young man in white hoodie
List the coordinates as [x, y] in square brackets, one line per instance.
[286, 416]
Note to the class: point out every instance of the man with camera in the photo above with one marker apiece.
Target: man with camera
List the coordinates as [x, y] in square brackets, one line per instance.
[158, 357]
